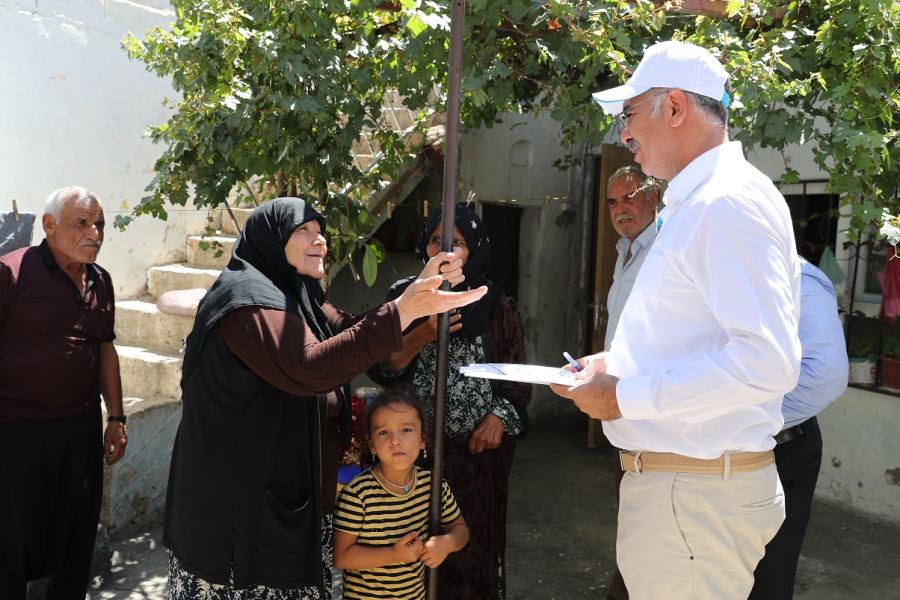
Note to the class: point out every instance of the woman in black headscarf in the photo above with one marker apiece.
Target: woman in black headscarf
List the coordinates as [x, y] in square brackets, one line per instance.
[253, 474]
[483, 417]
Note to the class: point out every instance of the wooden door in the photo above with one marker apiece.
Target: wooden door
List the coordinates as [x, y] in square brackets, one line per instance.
[611, 158]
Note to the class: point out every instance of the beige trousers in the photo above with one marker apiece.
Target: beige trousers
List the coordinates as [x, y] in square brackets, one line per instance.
[697, 537]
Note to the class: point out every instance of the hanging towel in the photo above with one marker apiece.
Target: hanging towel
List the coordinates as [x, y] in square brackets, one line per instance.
[15, 233]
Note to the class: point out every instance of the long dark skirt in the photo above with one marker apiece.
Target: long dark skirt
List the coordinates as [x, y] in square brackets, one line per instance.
[51, 482]
[480, 483]
[184, 585]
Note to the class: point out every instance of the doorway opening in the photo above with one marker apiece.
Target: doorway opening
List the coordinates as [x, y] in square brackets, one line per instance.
[501, 222]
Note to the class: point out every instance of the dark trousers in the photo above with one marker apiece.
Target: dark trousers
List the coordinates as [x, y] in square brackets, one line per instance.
[798, 463]
[51, 482]
[480, 483]
[798, 467]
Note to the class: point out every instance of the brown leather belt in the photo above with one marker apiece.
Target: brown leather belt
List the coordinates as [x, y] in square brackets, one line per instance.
[730, 462]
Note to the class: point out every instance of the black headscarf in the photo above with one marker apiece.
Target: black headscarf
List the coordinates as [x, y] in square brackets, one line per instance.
[475, 316]
[259, 274]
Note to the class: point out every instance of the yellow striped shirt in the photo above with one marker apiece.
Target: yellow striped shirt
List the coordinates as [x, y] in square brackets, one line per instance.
[379, 518]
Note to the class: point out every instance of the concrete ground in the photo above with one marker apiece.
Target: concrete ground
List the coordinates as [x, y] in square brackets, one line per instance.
[561, 537]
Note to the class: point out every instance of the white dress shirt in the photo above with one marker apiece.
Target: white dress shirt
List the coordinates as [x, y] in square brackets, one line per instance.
[624, 276]
[707, 344]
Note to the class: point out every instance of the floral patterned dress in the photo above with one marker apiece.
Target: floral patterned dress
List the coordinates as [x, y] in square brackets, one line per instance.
[468, 399]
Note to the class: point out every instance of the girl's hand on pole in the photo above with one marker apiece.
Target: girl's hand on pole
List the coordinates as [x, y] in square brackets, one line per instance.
[438, 547]
[436, 550]
[408, 549]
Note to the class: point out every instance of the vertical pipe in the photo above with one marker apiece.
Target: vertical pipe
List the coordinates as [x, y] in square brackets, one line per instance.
[849, 328]
[448, 218]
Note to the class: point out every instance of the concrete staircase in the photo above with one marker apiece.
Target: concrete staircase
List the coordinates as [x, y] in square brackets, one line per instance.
[149, 344]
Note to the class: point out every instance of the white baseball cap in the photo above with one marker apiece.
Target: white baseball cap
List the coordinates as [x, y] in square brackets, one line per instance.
[670, 65]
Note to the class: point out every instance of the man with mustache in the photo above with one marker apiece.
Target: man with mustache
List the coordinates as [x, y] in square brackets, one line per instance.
[632, 209]
[706, 346]
[633, 206]
[57, 357]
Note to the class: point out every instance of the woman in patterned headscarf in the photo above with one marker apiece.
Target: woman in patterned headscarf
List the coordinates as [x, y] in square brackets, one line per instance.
[483, 417]
[254, 467]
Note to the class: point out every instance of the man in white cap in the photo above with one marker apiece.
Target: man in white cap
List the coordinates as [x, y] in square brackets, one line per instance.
[706, 346]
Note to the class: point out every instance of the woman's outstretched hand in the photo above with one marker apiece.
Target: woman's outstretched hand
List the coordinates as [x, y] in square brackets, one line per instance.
[423, 298]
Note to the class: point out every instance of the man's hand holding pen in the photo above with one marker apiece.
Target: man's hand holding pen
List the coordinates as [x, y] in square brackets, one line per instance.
[595, 391]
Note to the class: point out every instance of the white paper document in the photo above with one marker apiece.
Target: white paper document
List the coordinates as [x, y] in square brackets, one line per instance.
[523, 373]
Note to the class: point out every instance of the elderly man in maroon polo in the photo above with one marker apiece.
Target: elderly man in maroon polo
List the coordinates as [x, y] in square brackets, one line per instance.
[56, 359]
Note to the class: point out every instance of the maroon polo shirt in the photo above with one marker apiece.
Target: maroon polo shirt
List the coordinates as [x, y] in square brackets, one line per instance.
[50, 336]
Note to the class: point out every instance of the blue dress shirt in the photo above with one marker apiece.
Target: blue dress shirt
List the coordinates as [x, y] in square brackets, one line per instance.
[824, 366]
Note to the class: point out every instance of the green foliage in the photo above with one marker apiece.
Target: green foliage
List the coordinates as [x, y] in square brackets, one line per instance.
[818, 73]
[272, 96]
[890, 346]
[861, 346]
[824, 74]
[864, 335]
[277, 92]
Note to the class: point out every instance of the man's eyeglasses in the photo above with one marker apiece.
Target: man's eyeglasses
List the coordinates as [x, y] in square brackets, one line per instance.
[622, 117]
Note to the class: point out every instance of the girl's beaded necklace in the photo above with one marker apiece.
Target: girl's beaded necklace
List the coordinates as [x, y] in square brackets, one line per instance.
[405, 487]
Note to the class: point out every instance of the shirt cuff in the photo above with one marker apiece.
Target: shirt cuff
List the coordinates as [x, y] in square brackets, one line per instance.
[504, 410]
[391, 308]
[389, 375]
[634, 399]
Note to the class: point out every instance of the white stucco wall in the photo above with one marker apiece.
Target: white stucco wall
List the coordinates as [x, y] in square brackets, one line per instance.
[512, 163]
[72, 112]
[773, 163]
[861, 453]
[513, 160]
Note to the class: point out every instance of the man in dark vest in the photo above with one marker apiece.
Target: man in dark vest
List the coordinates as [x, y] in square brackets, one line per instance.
[56, 359]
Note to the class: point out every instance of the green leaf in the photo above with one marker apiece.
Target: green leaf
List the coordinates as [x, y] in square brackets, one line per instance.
[416, 25]
[370, 266]
[121, 221]
[365, 222]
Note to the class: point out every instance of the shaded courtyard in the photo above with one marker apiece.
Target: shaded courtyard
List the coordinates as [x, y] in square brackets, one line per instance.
[562, 534]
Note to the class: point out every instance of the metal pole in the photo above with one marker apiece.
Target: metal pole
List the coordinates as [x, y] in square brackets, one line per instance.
[448, 218]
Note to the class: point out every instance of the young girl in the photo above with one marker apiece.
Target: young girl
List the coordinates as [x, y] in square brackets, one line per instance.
[381, 521]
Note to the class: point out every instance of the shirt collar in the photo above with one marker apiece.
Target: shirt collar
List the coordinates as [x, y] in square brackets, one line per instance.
[700, 169]
[93, 272]
[644, 238]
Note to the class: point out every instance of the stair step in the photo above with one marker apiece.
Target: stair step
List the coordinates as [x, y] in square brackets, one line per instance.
[179, 276]
[149, 373]
[240, 214]
[218, 244]
[134, 489]
[140, 323]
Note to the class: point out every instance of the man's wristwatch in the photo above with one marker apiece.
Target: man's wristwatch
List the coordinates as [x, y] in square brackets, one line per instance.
[116, 419]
